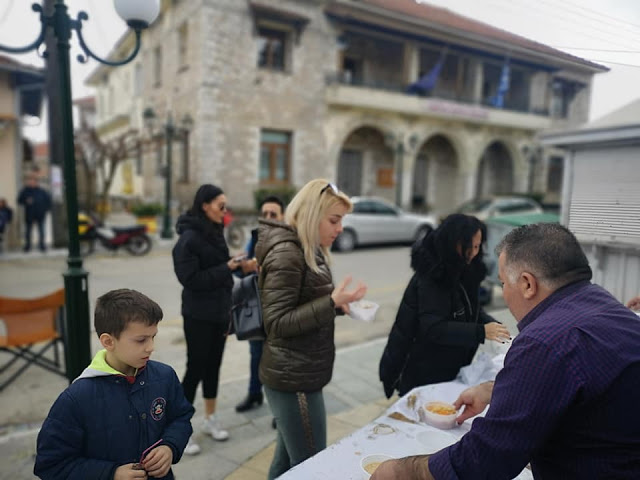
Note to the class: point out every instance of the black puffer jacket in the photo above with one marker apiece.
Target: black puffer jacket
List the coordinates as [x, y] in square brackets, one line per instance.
[200, 261]
[297, 313]
[439, 324]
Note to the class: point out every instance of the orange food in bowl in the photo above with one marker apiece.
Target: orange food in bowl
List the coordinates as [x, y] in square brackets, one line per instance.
[441, 408]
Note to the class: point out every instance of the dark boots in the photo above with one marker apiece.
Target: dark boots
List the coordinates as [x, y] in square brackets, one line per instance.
[252, 400]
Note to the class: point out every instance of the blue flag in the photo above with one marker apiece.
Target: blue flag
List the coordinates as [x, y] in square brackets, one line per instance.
[428, 81]
[503, 87]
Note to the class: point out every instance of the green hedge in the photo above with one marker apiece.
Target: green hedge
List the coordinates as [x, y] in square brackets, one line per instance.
[147, 209]
[285, 193]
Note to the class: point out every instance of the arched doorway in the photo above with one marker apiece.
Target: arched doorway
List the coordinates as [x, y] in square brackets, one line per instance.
[495, 172]
[365, 165]
[435, 174]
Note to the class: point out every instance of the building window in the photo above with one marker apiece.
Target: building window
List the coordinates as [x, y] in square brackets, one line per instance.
[157, 66]
[275, 156]
[273, 46]
[183, 46]
[562, 94]
[183, 173]
[138, 79]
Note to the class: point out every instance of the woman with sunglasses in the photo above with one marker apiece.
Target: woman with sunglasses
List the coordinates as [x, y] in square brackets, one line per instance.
[203, 267]
[440, 324]
[299, 304]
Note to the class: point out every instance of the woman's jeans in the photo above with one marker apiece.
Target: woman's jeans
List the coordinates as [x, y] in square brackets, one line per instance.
[301, 420]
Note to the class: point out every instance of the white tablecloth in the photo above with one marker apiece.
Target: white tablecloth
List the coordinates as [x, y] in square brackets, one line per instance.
[387, 436]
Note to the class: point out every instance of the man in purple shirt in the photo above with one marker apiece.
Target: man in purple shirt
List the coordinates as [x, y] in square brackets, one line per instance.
[566, 398]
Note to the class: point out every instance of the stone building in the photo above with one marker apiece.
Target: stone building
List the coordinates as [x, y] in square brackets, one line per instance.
[282, 91]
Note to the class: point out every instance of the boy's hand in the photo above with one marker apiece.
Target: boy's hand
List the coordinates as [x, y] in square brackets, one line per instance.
[158, 461]
[126, 472]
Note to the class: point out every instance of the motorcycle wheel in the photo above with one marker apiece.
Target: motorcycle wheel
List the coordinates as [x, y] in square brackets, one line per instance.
[138, 245]
[234, 235]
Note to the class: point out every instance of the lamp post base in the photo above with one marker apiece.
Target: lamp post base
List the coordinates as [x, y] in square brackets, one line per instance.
[77, 349]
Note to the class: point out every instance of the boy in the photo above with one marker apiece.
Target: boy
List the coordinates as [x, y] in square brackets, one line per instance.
[102, 425]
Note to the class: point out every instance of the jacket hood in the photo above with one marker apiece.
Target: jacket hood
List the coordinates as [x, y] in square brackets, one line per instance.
[100, 368]
[186, 221]
[271, 233]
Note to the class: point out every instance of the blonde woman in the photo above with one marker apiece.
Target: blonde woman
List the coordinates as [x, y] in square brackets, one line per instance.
[299, 305]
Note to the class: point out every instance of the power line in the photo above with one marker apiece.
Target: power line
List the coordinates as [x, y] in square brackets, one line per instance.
[615, 63]
[635, 25]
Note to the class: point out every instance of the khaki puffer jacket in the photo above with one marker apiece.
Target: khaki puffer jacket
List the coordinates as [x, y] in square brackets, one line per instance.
[297, 313]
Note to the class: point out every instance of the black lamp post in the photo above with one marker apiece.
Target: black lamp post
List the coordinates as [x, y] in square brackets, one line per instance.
[138, 14]
[171, 132]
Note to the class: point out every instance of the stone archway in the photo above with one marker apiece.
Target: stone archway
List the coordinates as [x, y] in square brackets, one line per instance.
[435, 175]
[495, 171]
[365, 163]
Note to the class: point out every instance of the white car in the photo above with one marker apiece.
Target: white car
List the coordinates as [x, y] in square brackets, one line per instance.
[485, 208]
[375, 220]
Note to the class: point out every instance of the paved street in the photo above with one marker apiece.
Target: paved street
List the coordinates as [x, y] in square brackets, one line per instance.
[353, 398]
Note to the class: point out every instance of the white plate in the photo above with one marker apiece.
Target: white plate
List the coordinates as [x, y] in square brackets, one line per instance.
[434, 440]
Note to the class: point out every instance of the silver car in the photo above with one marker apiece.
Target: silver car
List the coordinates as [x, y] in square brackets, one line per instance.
[375, 220]
[485, 208]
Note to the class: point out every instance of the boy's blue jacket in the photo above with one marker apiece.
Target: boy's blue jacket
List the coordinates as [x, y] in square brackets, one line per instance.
[103, 421]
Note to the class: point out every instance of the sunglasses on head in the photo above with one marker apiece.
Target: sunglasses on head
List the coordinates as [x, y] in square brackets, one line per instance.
[330, 186]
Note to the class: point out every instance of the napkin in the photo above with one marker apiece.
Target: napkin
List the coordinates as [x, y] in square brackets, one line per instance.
[363, 310]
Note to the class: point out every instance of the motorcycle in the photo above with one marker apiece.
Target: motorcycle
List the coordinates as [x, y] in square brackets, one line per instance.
[134, 239]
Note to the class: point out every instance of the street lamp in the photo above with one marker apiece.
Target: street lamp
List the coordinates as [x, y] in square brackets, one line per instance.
[138, 14]
[180, 133]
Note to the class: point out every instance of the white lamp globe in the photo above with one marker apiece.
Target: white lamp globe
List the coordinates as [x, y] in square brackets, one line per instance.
[138, 14]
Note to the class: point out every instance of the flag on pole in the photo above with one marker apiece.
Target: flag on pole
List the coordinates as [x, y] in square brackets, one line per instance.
[503, 87]
[427, 82]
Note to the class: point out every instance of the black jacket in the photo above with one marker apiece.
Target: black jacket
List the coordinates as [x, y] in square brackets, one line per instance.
[438, 327]
[200, 261]
[36, 201]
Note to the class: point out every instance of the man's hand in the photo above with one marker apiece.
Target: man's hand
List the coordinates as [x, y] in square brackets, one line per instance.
[249, 266]
[126, 472]
[158, 462]
[408, 468]
[634, 303]
[474, 400]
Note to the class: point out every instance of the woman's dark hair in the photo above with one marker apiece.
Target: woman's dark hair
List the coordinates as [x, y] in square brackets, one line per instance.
[441, 248]
[205, 194]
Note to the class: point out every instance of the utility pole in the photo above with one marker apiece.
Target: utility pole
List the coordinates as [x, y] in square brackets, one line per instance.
[54, 107]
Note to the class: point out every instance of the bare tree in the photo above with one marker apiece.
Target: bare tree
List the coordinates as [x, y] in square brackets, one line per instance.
[100, 160]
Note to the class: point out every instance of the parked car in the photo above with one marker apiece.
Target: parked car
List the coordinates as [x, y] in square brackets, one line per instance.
[375, 220]
[497, 228]
[485, 208]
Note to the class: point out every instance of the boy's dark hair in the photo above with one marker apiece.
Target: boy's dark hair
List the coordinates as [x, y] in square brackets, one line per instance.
[117, 308]
[273, 199]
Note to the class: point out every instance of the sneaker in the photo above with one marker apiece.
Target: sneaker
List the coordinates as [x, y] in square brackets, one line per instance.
[192, 447]
[212, 427]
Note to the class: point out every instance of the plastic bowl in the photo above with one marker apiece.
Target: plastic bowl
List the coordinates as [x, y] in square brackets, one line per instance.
[436, 416]
[370, 460]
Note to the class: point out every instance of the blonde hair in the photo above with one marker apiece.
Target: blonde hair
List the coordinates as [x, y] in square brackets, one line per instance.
[305, 212]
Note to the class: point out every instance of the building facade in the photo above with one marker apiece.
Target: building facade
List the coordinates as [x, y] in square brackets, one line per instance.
[21, 93]
[391, 98]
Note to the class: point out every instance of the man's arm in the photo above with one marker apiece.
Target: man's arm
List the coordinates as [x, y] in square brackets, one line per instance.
[531, 395]
[408, 468]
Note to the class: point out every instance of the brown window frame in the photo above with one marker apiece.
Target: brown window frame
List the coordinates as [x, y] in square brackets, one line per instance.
[270, 34]
[273, 149]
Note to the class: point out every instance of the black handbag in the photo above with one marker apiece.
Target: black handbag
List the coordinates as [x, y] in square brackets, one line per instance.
[246, 312]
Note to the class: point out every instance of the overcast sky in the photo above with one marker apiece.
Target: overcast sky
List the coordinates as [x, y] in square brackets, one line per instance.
[604, 31]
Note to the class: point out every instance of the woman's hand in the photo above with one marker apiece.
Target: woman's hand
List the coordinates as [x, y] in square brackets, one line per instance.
[249, 266]
[342, 297]
[236, 262]
[496, 331]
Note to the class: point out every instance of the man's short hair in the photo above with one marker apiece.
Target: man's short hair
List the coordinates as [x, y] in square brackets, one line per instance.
[549, 251]
[273, 199]
[117, 308]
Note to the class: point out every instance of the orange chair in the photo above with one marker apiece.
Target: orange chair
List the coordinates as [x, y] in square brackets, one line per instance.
[27, 322]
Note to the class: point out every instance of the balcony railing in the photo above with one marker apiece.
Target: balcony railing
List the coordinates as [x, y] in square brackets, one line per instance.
[344, 78]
